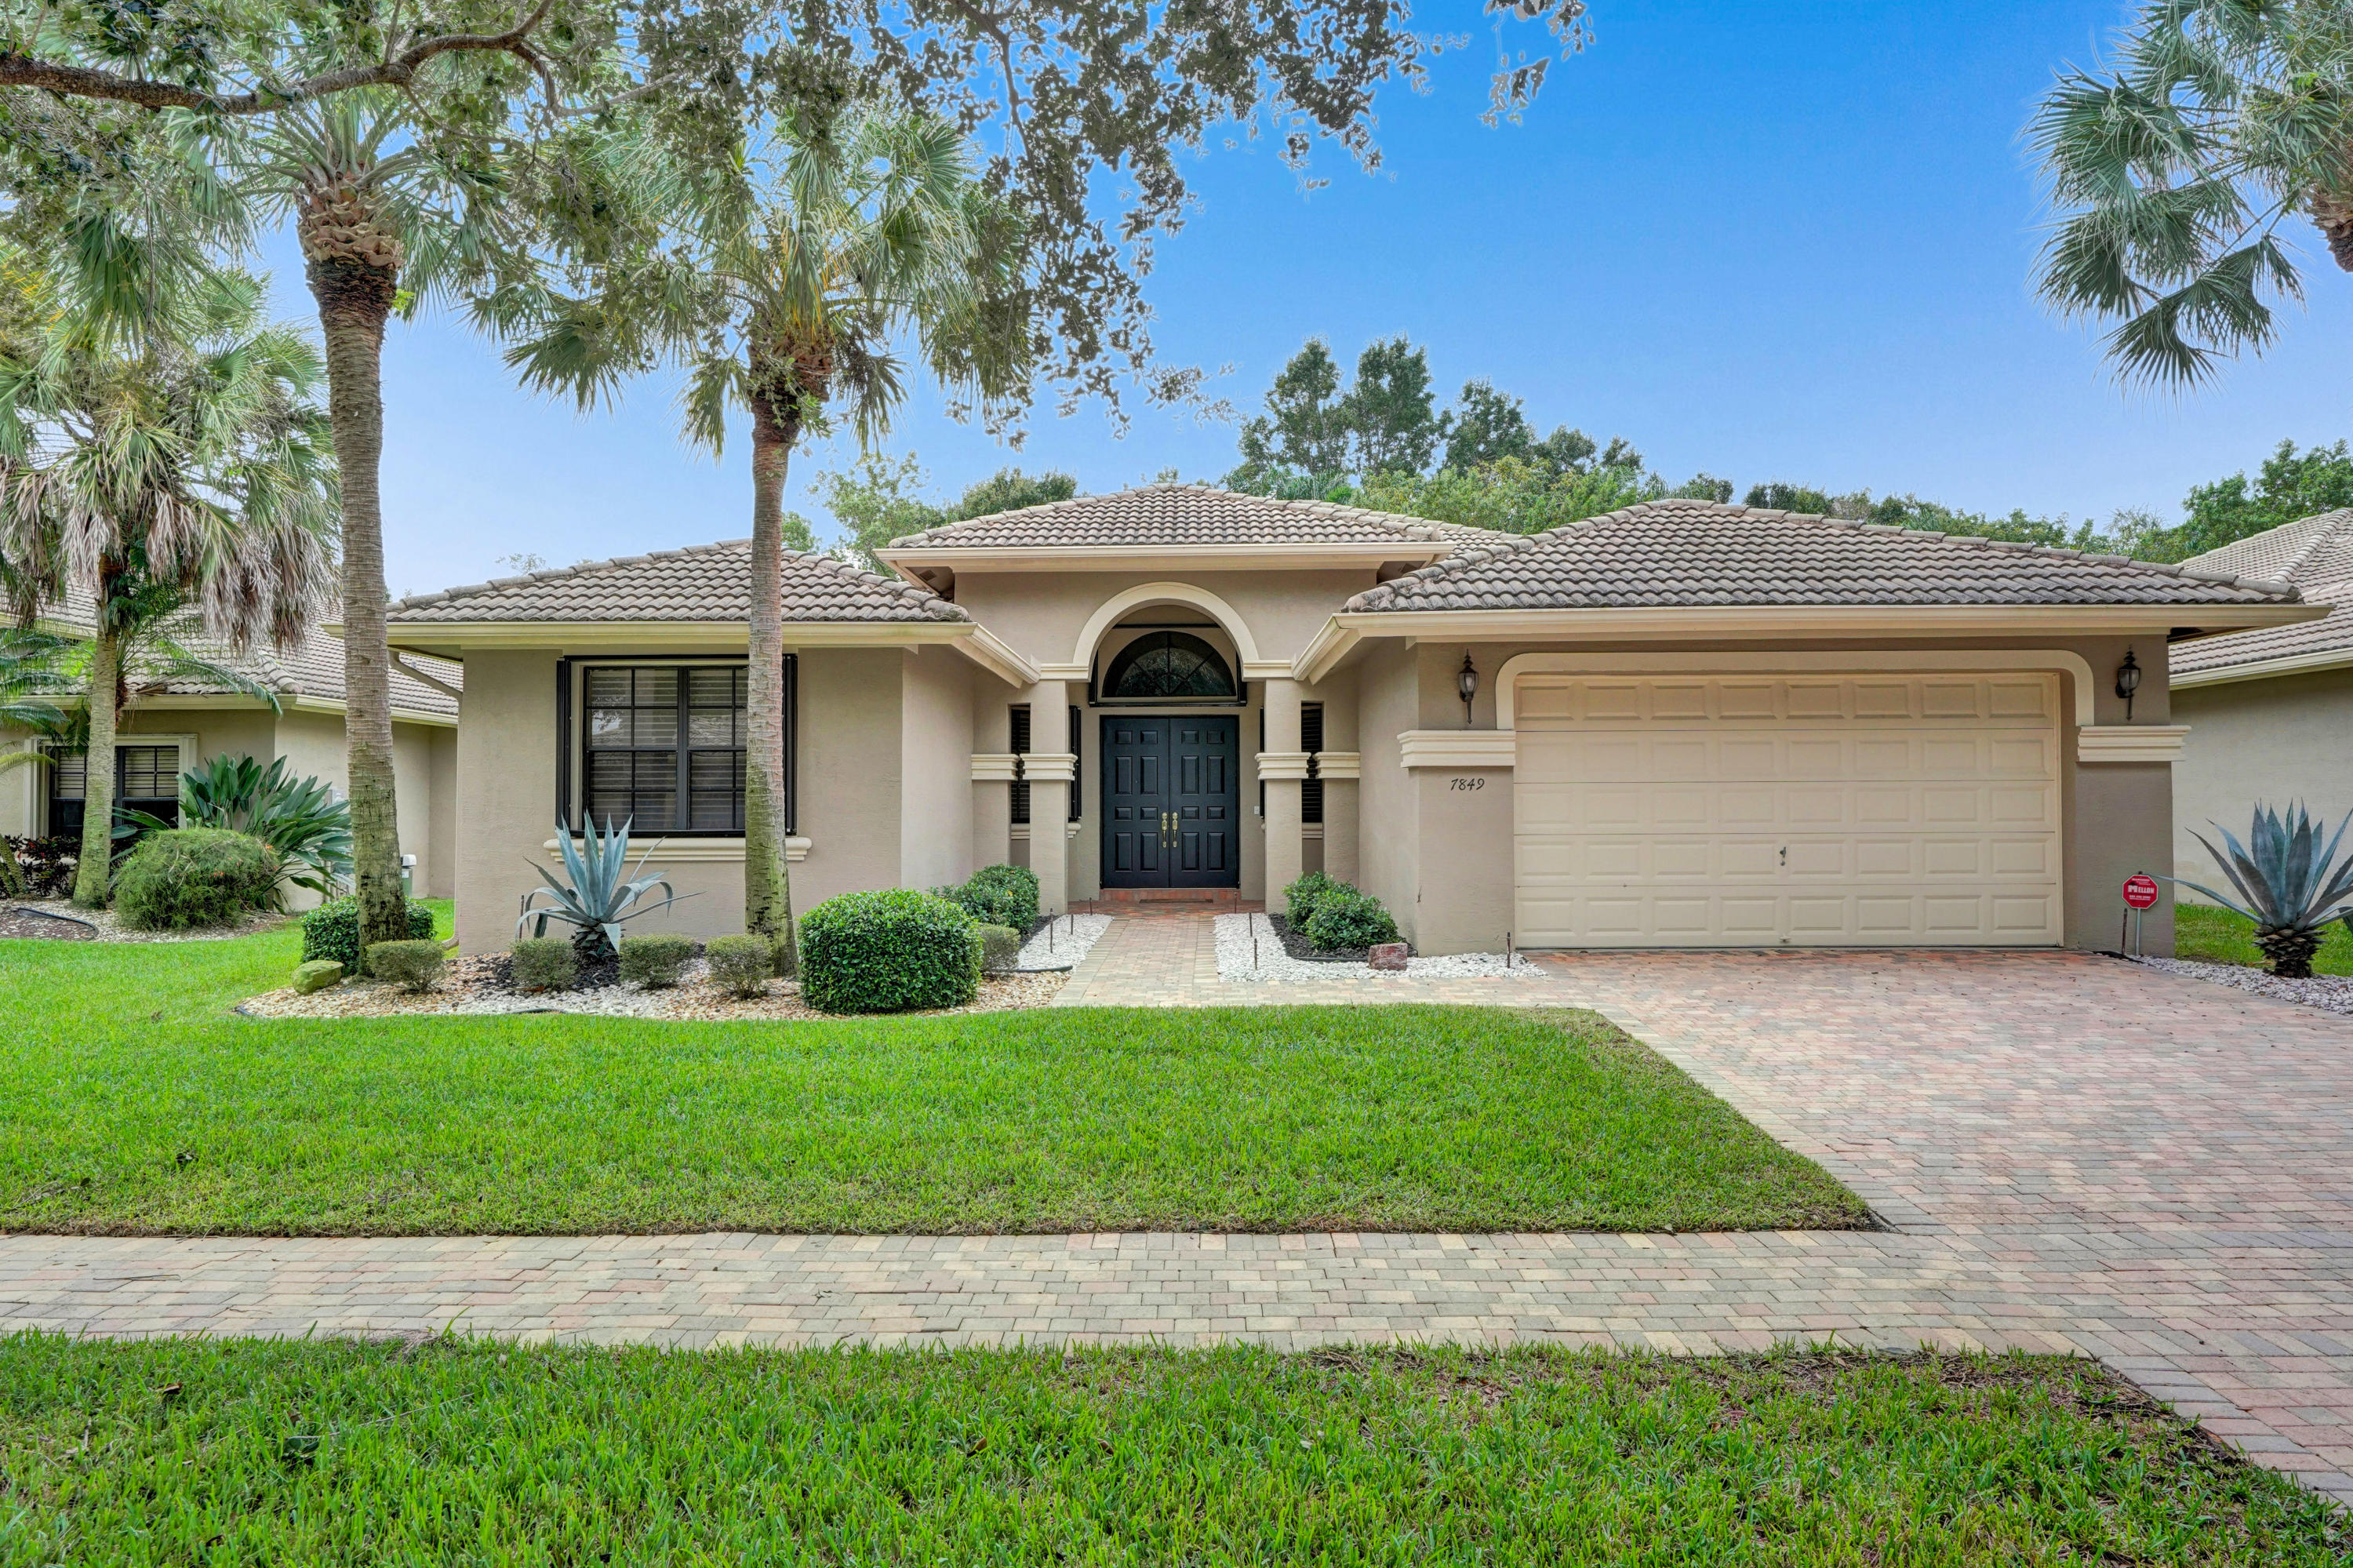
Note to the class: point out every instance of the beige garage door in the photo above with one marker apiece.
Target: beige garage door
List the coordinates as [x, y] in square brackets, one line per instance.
[1700, 811]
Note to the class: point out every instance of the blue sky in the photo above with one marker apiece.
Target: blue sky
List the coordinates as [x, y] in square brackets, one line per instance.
[1784, 240]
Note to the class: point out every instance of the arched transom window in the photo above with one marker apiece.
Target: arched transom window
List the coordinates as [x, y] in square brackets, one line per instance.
[1168, 666]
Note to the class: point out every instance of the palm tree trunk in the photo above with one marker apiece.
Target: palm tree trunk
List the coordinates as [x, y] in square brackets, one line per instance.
[354, 299]
[2334, 215]
[98, 772]
[767, 877]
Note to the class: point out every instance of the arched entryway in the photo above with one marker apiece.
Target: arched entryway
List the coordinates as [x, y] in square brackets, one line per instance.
[1167, 689]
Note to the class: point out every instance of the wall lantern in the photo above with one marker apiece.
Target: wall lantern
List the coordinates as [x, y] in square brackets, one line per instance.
[2128, 682]
[1466, 681]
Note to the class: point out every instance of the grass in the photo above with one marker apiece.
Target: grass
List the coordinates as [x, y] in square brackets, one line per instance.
[131, 1101]
[2217, 936]
[449, 1450]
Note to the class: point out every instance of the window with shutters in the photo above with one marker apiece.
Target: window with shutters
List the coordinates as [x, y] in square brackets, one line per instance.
[1018, 727]
[1310, 741]
[662, 746]
[1078, 729]
[146, 778]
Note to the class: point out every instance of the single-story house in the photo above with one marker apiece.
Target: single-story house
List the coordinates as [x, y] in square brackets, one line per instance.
[177, 726]
[1678, 725]
[2269, 709]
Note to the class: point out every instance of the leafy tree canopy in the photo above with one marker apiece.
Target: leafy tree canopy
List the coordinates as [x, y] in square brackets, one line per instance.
[881, 498]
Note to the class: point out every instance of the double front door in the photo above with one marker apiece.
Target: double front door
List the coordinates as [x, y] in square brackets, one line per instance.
[1171, 796]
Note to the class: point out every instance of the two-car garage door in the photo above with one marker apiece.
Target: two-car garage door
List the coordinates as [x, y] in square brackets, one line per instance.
[1660, 812]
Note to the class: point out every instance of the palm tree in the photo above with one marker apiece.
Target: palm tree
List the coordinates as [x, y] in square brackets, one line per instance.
[2176, 172]
[162, 486]
[384, 225]
[796, 277]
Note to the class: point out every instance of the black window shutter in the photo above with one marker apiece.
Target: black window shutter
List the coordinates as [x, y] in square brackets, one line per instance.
[1078, 789]
[1018, 728]
[1311, 726]
[563, 742]
[792, 743]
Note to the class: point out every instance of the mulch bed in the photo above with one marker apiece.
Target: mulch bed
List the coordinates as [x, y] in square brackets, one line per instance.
[1296, 945]
[33, 924]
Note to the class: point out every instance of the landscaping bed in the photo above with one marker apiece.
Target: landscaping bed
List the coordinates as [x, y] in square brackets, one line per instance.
[32, 923]
[485, 985]
[134, 1101]
[1275, 958]
[447, 1449]
[57, 919]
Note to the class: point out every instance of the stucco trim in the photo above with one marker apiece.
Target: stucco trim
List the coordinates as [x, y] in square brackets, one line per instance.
[1458, 748]
[682, 852]
[994, 654]
[1163, 557]
[1069, 829]
[1107, 614]
[1035, 766]
[2130, 742]
[2077, 668]
[1295, 764]
[1805, 621]
[2262, 669]
[1340, 764]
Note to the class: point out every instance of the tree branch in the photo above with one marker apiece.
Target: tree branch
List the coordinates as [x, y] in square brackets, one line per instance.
[22, 70]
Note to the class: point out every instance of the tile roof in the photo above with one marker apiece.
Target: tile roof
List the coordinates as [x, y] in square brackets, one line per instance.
[2315, 555]
[1676, 553]
[1175, 515]
[312, 669]
[702, 583]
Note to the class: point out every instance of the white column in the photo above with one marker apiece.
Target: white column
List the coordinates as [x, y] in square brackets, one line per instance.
[1051, 774]
[1281, 766]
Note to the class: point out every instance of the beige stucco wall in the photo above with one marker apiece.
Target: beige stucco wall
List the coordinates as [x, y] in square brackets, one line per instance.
[506, 790]
[1042, 613]
[2287, 738]
[2115, 818]
[935, 731]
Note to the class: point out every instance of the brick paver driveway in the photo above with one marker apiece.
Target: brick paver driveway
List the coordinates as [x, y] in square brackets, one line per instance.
[2165, 1164]
[2076, 1154]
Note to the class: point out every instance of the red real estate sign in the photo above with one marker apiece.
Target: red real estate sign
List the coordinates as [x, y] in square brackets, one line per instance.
[2140, 892]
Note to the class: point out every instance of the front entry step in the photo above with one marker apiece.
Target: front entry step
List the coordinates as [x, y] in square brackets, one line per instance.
[1206, 898]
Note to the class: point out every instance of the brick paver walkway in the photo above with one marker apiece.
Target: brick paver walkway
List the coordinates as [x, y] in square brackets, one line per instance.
[1170, 959]
[2078, 1155]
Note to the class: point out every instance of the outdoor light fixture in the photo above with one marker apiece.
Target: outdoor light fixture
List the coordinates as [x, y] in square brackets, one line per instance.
[2127, 681]
[1466, 681]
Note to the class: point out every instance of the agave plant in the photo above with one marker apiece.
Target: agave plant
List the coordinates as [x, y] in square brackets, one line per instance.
[2292, 884]
[602, 896]
[298, 817]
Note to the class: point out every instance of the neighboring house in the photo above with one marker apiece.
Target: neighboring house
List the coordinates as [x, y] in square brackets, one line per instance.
[176, 727]
[1680, 725]
[2269, 710]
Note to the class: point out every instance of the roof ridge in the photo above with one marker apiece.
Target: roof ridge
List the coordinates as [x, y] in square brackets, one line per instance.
[1420, 529]
[557, 574]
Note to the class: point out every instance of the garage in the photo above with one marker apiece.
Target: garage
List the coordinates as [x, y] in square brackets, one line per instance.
[1768, 811]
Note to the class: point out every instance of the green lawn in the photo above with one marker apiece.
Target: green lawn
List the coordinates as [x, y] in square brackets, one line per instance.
[2215, 936]
[333, 1452]
[131, 1100]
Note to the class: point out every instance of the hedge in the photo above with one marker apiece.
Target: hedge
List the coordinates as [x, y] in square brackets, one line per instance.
[183, 877]
[332, 931]
[891, 951]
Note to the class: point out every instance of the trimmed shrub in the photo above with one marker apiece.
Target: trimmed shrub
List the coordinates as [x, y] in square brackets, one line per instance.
[544, 963]
[332, 931]
[317, 975]
[195, 877]
[412, 965]
[1302, 896]
[741, 964]
[1347, 918]
[999, 947]
[655, 961]
[997, 896]
[892, 951]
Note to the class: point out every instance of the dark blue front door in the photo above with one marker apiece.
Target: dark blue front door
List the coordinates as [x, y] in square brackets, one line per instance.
[1171, 796]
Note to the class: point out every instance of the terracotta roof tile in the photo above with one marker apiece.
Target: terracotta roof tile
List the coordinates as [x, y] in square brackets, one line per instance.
[703, 583]
[2315, 555]
[1175, 515]
[1670, 553]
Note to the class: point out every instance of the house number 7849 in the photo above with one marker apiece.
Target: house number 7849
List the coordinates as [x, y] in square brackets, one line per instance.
[1468, 783]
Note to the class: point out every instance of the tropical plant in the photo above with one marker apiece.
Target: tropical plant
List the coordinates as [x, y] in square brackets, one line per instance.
[841, 233]
[2289, 881]
[156, 488]
[298, 817]
[601, 894]
[387, 223]
[2220, 122]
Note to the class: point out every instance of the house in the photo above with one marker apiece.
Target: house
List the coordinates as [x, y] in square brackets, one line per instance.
[1678, 725]
[2270, 709]
[178, 726]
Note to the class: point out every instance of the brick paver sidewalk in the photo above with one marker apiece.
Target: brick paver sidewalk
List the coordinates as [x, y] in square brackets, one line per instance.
[2079, 1154]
